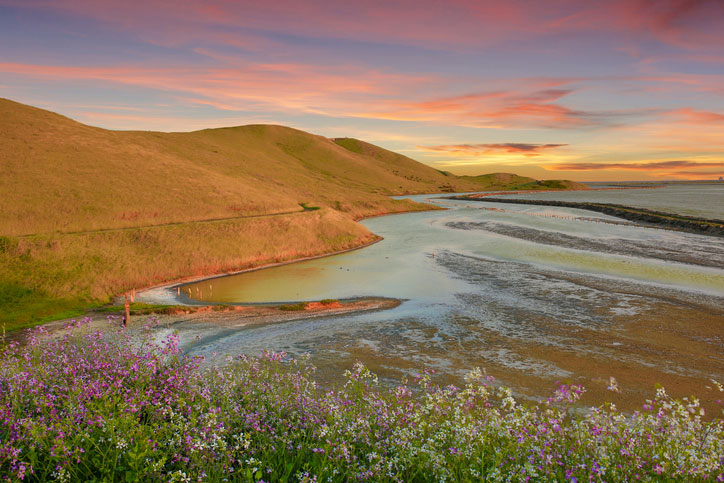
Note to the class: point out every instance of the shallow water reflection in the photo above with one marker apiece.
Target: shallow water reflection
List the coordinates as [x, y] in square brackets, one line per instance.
[532, 299]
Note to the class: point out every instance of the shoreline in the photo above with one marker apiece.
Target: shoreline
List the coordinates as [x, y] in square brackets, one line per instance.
[643, 216]
[251, 315]
[165, 294]
[527, 192]
[228, 316]
[146, 295]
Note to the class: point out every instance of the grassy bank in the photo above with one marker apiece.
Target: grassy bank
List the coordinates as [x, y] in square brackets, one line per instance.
[98, 408]
[68, 273]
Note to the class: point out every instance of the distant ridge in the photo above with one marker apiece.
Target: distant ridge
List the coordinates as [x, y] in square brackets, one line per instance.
[507, 181]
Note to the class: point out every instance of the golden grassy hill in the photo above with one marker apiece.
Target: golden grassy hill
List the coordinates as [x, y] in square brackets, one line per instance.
[89, 213]
[66, 176]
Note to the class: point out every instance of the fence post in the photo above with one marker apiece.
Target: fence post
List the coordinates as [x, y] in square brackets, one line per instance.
[127, 308]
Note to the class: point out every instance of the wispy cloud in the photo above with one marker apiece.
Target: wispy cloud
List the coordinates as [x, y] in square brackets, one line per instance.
[647, 166]
[526, 149]
[696, 116]
[452, 24]
[526, 107]
[250, 86]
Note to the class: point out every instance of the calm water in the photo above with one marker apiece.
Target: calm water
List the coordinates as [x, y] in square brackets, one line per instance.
[702, 200]
[532, 294]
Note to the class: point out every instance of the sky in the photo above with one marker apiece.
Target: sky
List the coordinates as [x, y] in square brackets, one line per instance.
[577, 89]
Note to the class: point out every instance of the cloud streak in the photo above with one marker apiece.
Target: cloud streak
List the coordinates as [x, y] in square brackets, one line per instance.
[453, 24]
[529, 106]
[525, 149]
[647, 166]
[249, 86]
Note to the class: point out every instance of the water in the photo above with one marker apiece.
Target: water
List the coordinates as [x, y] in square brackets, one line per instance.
[700, 200]
[532, 294]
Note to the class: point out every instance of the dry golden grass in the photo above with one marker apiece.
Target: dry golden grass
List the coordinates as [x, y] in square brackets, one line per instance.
[60, 177]
[65, 176]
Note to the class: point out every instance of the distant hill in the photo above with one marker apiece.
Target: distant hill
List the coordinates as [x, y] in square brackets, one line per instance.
[513, 182]
[88, 212]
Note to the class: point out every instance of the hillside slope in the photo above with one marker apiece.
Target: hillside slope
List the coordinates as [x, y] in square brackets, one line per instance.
[66, 176]
[89, 213]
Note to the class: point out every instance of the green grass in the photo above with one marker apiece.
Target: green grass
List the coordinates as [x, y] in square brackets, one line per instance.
[306, 207]
[23, 307]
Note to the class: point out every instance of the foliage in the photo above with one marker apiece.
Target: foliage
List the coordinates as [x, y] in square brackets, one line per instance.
[102, 406]
[306, 207]
[294, 307]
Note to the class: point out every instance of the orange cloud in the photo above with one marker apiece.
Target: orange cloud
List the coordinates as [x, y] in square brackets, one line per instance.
[701, 174]
[648, 166]
[526, 149]
[529, 107]
[695, 116]
[343, 91]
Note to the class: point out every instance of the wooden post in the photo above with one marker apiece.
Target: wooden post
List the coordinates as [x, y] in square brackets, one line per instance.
[127, 307]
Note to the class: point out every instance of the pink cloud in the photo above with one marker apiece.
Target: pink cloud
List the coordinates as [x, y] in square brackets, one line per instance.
[527, 106]
[455, 23]
[336, 91]
[286, 87]
[693, 24]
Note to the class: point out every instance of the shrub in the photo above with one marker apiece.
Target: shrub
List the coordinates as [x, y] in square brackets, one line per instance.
[294, 307]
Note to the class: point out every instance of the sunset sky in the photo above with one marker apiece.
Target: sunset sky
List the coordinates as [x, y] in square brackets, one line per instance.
[584, 90]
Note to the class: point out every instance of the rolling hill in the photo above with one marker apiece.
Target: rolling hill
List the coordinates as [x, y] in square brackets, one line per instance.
[513, 182]
[66, 176]
[89, 213]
